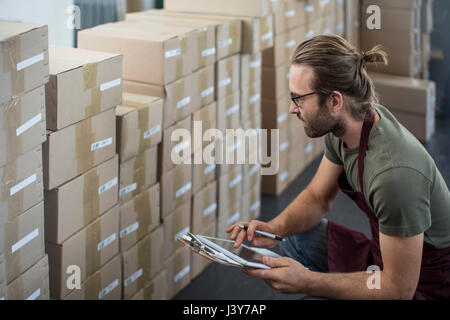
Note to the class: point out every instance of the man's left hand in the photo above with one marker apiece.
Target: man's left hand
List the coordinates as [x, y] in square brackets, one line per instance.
[286, 275]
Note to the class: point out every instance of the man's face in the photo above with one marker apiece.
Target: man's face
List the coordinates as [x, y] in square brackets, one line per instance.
[315, 118]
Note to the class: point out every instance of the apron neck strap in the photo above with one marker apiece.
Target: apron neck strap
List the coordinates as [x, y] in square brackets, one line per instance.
[369, 120]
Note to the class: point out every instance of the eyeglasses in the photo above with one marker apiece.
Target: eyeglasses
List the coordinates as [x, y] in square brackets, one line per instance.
[296, 99]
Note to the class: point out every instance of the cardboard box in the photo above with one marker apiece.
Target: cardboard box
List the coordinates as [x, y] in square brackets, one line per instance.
[396, 19]
[297, 159]
[409, 66]
[229, 189]
[395, 42]
[284, 47]
[296, 130]
[352, 21]
[202, 46]
[203, 120]
[89, 249]
[178, 268]
[309, 150]
[275, 113]
[277, 183]
[137, 174]
[137, 267]
[228, 112]
[228, 31]
[398, 4]
[181, 148]
[22, 241]
[421, 126]
[205, 90]
[23, 124]
[85, 144]
[198, 263]
[175, 225]
[179, 98]
[139, 123]
[152, 55]
[251, 8]
[227, 76]
[74, 205]
[176, 188]
[251, 101]
[21, 185]
[251, 176]
[82, 83]
[202, 173]
[287, 14]
[251, 69]
[2, 277]
[156, 290]
[102, 285]
[23, 58]
[32, 284]
[251, 203]
[405, 94]
[339, 17]
[232, 154]
[139, 216]
[226, 218]
[204, 208]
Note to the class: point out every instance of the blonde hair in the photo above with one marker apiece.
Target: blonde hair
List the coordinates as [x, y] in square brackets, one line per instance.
[337, 65]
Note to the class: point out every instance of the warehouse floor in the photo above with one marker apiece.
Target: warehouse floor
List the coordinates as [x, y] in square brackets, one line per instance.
[229, 283]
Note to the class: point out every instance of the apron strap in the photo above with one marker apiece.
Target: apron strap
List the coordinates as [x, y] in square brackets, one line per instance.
[369, 119]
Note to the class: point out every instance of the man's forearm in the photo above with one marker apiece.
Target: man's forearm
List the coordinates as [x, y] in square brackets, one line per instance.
[301, 215]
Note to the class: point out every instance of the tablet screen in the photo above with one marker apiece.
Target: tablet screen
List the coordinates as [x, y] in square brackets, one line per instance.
[243, 252]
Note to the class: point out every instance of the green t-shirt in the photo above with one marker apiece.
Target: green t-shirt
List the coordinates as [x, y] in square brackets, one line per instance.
[402, 185]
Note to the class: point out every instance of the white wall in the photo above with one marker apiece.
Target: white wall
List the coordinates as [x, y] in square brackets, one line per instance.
[50, 12]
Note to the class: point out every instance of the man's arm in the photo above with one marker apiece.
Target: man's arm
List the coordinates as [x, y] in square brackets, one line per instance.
[309, 207]
[398, 280]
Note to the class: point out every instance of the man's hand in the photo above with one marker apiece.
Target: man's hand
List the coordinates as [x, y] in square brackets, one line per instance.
[286, 275]
[254, 238]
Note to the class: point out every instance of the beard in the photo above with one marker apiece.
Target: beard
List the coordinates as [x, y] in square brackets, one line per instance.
[321, 123]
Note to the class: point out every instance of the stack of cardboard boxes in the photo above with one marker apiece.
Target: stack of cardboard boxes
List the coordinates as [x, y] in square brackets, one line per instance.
[23, 74]
[81, 174]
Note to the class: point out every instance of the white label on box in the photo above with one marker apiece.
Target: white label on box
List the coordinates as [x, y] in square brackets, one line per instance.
[235, 181]
[225, 43]
[30, 61]
[207, 92]
[224, 82]
[255, 206]
[282, 117]
[267, 36]
[34, 295]
[289, 14]
[309, 34]
[101, 144]
[19, 244]
[309, 9]
[172, 53]
[108, 289]
[22, 184]
[254, 169]
[209, 168]
[107, 185]
[233, 218]
[290, 44]
[27, 125]
[183, 190]
[284, 145]
[234, 146]
[105, 242]
[182, 273]
[129, 229]
[129, 188]
[151, 131]
[133, 277]
[255, 64]
[181, 232]
[208, 52]
[284, 175]
[308, 148]
[233, 109]
[183, 102]
[181, 146]
[255, 98]
[110, 84]
[210, 209]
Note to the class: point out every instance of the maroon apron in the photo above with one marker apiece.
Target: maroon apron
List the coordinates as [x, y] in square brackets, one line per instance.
[352, 251]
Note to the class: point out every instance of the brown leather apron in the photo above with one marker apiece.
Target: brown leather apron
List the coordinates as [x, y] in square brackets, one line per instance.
[352, 251]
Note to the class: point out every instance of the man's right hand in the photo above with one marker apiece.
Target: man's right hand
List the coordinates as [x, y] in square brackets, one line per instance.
[256, 240]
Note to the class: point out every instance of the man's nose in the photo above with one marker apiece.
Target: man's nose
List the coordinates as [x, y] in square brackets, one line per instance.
[293, 108]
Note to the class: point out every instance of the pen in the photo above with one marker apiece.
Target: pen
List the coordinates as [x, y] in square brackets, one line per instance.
[263, 233]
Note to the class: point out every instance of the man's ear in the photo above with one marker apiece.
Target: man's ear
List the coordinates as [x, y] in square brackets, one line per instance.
[336, 102]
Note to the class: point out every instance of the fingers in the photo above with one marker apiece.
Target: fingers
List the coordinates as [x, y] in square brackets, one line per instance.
[240, 238]
[276, 262]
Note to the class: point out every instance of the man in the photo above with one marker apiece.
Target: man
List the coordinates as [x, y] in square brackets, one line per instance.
[373, 159]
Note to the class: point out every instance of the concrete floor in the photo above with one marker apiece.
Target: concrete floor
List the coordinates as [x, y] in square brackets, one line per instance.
[229, 283]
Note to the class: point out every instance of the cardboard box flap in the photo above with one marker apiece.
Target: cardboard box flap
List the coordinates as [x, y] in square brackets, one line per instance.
[137, 101]
[9, 29]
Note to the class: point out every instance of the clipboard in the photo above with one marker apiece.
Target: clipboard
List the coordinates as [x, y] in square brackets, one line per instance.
[222, 251]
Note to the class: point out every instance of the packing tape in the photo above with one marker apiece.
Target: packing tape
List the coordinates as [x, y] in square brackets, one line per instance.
[84, 155]
[143, 125]
[181, 99]
[95, 106]
[10, 47]
[90, 72]
[233, 34]
[142, 207]
[92, 256]
[91, 198]
[139, 173]
[180, 60]
[202, 46]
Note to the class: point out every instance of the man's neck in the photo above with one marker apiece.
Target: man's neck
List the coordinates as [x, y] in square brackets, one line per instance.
[353, 129]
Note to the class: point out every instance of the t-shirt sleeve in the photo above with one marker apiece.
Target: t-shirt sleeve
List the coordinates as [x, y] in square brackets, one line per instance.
[331, 149]
[400, 198]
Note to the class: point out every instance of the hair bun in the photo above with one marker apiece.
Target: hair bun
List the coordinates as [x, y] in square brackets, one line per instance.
[375, 55]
